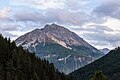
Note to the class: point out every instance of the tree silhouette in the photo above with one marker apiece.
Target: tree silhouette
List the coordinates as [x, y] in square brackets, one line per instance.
[99, 76]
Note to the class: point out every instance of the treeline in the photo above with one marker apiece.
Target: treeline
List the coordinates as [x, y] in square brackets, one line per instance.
[19, 64]
[109, 64]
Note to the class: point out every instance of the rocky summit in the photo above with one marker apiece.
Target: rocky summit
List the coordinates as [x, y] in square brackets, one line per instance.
[60, 46]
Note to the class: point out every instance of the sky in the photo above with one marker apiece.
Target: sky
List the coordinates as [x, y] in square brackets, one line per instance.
[96, 21]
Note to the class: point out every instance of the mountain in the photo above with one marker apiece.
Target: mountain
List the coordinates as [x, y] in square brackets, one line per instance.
[60, 46]
[105, 50]
[19, 64]
[109, 64]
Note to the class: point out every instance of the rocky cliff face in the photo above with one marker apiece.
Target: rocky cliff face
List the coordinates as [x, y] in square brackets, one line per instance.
[60, 46]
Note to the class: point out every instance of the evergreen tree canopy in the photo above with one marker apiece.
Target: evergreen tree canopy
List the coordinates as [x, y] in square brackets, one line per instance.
[19, 64]
[99, 76]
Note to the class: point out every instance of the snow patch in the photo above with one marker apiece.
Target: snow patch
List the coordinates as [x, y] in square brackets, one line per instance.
[67, 57]
[61, 59]
[19, 43]
[50, 55]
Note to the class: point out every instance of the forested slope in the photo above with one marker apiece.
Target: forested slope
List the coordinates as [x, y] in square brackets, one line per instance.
[109, 64]
[19, 64]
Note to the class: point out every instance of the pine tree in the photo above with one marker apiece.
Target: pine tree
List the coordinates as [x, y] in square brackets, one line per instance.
[99, 76]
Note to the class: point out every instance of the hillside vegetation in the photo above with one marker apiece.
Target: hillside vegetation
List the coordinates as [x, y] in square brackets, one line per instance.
[109, 64]
[19, 64]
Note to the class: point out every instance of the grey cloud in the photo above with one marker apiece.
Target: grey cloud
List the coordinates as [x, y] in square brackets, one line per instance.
[9, 27]
[67, 4]
[73, 5]
[98, 28]
[66, 17]
[7, 34]
[95, 34]
[99, 43]
[61, 16]
[93, 28]
[109, 8]
[104, 38]
[77, 29]
[28, 16]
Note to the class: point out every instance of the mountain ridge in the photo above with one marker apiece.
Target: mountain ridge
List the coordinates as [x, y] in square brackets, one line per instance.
[73, 50]
[105, 50]
[109, 64]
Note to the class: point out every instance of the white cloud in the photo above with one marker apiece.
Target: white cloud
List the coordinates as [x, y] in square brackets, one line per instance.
[42, 4]
[113, 23]
[5, 13]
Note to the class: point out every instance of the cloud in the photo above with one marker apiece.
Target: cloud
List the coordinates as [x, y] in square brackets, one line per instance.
[42, 4]
[75, 5]
[5, 14]
[98, 35]
[92, 28]
[28, 16]
[7, 34]
[98, 28]
[49, 11]
[61, 16]
[113, 23]
[9, 27]
[104, 37]
[65, 16]
[110, 8]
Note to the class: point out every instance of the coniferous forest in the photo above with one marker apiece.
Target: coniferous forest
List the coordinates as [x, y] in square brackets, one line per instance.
[109, 65]
[19, 64]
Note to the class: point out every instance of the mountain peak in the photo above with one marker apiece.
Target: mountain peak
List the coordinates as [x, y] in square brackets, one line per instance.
[60, 46]
[54, 26]
[51, 25]
[54, 33]
[105, 50]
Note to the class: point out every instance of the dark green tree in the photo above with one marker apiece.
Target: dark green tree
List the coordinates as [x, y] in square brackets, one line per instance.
[19, 64]
[99, 76]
